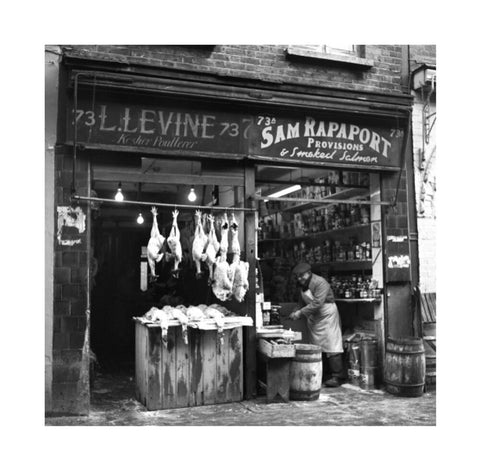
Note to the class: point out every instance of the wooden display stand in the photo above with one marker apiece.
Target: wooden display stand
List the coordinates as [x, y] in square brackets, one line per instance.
[202, 372]
[277, 377]
[274, 360]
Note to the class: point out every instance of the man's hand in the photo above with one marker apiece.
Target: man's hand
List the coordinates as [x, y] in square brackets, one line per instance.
[295, 315]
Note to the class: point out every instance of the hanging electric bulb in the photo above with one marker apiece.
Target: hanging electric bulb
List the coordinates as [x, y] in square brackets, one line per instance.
[140, 218]
[191, 195]
[119, 194]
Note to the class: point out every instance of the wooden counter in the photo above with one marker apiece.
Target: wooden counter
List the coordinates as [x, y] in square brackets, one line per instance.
[202, 372]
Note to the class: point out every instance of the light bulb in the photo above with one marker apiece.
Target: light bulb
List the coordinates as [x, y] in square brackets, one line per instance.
[191, 195]
[119, 194]
[140, 218]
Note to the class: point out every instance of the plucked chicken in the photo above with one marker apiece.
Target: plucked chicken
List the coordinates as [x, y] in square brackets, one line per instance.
[219, 319]
[222, 274]
[155, 244]
[173, 242]
[161, 316]
[235, 241]
[195, 314]
[221, 309]
[224, 234]
[212, 248]
[238, 268]
[217, 316]
[183, 319]
[199, 244]
[182, 308]
[240, 280]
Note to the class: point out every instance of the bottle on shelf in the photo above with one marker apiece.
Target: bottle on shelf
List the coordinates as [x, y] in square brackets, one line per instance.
[355, 287]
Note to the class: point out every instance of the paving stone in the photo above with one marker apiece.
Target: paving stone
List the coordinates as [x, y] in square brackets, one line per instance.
[113, 404]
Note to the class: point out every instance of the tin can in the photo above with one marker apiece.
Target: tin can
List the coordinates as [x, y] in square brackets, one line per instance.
[353, 371]
[368, 363]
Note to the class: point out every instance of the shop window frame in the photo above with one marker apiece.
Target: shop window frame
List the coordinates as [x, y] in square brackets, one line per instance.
[331, 54]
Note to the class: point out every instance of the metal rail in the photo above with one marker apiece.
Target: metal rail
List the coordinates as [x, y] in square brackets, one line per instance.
[323, 201]
[164, 204]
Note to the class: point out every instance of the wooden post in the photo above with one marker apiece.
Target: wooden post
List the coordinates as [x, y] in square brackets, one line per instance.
[250, 373]
[377, 269]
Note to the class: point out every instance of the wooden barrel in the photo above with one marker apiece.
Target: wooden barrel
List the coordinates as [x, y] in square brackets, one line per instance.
[430, 372]
[306, 372]
[405, 366]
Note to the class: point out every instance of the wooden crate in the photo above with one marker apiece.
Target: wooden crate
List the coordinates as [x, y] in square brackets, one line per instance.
[179, 375]
[274, 350]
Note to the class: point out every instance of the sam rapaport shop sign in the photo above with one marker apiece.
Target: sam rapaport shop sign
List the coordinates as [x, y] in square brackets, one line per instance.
[329, 141]
[171, 129]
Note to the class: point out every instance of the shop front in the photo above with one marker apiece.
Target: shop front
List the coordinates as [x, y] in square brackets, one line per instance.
[175, 281]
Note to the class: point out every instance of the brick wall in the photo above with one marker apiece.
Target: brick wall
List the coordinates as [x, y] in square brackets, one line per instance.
[70, 332]
[423, 54]
[425, 181]
[266, 62]
[424, 154]
[70, 390]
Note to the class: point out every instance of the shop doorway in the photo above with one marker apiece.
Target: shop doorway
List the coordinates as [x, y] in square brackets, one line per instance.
[339, 237]
[122, 286]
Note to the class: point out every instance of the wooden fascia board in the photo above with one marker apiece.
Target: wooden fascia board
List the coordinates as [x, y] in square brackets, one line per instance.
[213, 88]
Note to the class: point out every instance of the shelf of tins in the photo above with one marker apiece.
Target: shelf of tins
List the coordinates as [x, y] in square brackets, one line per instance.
[338, 231]
[326, 201]
[343, 266]
[340, 266]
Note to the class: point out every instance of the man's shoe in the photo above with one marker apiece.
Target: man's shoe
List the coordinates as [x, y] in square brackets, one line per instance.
[332, 382]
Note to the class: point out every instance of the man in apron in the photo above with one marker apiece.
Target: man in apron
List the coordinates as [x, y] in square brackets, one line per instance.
[323, 321]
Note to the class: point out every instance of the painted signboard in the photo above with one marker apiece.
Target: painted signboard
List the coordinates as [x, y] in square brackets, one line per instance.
[195, 130]
[398, 259]
[330, 142]
[160, 128]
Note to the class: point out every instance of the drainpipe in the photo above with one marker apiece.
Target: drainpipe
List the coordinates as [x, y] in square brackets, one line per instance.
[53, 56]
[411, 201]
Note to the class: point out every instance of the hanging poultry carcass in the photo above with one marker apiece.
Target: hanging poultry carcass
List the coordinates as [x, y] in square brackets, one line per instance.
[161, 316]
[238, 268]
[155, 244]
[212, 249]
[235, 241]
[222, 274]
[199, 244]
[240, 280]
[224, 234]
[173, 242]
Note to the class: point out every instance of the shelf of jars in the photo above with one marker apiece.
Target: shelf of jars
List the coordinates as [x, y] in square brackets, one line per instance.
[355, 289]
[316, 222]
[348, 255]
[354, 265]
[328, 200]
[314, 235]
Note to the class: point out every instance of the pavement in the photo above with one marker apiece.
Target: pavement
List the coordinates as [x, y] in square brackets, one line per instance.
[113, 403]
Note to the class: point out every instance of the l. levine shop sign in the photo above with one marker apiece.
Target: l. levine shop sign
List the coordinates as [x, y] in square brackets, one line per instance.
[167, 129]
